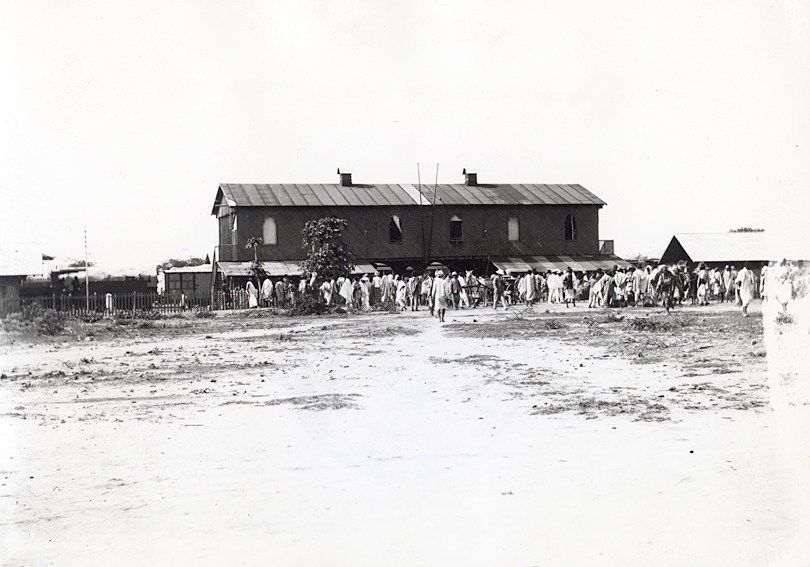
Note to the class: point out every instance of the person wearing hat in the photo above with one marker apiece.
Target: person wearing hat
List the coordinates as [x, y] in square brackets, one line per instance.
[455, 290]
[439, 293]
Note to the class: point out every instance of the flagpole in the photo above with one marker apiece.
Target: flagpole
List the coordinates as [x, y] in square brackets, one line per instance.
[86, 275]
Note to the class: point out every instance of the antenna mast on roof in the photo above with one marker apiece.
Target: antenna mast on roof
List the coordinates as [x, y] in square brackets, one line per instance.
[433, 211]
[421, 211]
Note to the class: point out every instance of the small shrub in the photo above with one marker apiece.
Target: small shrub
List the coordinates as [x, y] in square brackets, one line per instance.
[308, 305]
[204, 314]
[553, 324]
[643, 324]
[783, 318]
[90, 317]
[126, 314]
[49, 322]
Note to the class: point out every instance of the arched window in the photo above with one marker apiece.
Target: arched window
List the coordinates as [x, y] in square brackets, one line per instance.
[456, 232]
[269, 235]
[570, 228]
[395, 229]
[514, 229]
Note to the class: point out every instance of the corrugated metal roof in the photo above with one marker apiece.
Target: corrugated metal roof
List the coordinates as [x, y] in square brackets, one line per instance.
[545, 263]
[326, 195]
[271, 268]
[724, 246]
[204, 268]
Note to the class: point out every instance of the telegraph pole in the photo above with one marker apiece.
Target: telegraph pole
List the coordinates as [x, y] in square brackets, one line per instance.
[86, 275]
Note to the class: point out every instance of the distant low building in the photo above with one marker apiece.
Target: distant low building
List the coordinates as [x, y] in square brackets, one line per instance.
[718, 249]
[188, 280]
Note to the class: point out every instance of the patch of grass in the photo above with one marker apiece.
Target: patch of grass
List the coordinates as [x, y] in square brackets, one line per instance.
[554, 324]
[319, 402]
[783, 318]
[650, 325]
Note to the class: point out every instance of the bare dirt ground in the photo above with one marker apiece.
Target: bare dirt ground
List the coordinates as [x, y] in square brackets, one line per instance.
[546, 437]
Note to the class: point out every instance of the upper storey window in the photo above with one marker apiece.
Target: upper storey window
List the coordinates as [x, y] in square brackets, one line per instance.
[395, 229]
[570, 228]
[514, 229]
[456, 230]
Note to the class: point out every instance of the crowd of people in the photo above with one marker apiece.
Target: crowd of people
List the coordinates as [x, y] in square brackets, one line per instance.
[666, 286]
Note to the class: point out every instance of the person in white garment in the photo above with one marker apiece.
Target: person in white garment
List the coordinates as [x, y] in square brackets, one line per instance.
[439, 295]
[253, 295]
[746, 285]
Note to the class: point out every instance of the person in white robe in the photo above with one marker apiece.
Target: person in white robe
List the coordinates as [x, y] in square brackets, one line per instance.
[365, 292]
[386, 289]
[439, 293]
[347, 290]
[326, 292]
[253, 295]
[425, 289]
[464, 298]
[746, 285]
[376, 286]
[267, 292]
[401, 293]
[531, 287]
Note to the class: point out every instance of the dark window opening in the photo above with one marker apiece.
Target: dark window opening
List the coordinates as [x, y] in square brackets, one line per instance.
[570, 228]
[395, 230]
[456, 232]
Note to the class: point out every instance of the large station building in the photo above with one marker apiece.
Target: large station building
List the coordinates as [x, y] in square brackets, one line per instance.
[403, 227]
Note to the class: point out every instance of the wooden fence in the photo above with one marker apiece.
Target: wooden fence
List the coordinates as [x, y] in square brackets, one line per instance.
[114, 303]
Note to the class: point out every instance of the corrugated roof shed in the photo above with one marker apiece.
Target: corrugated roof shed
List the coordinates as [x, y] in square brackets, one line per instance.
[328, 195]
[722, 246]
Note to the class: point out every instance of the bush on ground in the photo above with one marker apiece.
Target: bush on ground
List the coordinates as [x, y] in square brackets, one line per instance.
[308, 305]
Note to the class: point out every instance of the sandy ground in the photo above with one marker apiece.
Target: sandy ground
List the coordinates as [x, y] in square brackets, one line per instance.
[550, 437]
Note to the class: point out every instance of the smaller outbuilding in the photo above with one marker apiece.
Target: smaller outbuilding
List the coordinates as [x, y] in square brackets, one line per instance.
[188, 280]
[718, 249]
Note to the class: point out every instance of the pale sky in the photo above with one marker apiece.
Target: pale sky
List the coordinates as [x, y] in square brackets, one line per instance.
[123, 117]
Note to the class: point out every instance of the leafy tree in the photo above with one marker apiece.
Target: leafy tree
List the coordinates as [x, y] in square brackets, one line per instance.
[256, 269]
[80, 264]
[747, 229]
[47, 257]
[327, 255]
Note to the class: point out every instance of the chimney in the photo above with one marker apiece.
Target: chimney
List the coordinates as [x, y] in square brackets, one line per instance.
[471, 179]
[345, 179]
